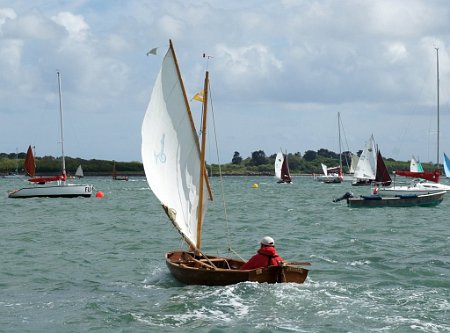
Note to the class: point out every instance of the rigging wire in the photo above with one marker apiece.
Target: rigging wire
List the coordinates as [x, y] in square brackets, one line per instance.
[341, 125]
[227, 227]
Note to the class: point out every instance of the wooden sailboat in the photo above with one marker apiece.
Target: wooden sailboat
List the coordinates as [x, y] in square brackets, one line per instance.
[282, 173]
[53, 186]
[174, 164]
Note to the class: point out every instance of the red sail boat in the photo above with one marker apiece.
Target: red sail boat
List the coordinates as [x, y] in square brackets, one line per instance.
[30, 163]
[282, 169]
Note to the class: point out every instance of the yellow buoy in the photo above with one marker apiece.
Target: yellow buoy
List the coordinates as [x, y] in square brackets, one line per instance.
[255, 185]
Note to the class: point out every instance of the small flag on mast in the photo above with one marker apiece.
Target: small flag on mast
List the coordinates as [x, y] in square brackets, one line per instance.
[199, 96]
[152, 51]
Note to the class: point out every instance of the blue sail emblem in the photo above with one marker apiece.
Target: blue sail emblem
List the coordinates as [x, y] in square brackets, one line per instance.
[161, 156]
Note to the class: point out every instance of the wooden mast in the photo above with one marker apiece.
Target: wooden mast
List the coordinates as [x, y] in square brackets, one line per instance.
[203, 170]
[202, 161]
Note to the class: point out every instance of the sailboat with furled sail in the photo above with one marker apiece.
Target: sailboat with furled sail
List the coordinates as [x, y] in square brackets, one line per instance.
[422, 181]
[52, 186]
[174, 164]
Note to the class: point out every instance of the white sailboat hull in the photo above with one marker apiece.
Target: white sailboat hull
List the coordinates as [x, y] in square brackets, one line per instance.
[53, 191]
[414, 188]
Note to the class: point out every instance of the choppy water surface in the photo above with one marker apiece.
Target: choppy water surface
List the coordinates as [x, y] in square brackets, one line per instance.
[81, 265]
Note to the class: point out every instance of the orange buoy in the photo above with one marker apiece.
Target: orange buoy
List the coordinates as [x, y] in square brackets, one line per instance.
[99, 194]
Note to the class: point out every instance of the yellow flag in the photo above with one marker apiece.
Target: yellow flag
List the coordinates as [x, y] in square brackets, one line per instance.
[199, 96]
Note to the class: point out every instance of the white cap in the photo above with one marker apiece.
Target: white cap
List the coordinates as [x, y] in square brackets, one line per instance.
[268, 241]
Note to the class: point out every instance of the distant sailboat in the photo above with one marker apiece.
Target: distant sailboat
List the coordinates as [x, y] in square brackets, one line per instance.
[365, 170]
[115, 176]
[54, 186]
[371, 167]
[282, 169]
[333, 175]
[330, 175]
[423, 181]
[353, 164]
[415, 165]
[79, 173]
[30, 163]
[446, 166]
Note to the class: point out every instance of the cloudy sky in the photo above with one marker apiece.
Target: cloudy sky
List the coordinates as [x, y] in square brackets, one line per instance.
[280, 70]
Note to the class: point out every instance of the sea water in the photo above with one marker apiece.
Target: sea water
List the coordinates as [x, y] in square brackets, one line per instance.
[97, 264]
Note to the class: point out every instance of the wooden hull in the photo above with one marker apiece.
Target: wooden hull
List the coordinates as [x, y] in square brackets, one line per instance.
[53, 191]
[189, 270]
[424, 200]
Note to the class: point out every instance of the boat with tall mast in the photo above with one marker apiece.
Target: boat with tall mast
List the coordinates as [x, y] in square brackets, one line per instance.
[333, 175]
[175, 168]
[423, 181]
[53, 186]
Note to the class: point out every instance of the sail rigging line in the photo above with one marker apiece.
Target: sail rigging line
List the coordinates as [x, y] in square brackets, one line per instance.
[437, 89]
[222, 188]
[202, 162]
[61, 120]
[341, 125]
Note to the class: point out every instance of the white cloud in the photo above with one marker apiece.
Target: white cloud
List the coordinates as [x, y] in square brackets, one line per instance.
[5, 14]
[395, 52]
[75, 25]
[171, 26]
[10, 54]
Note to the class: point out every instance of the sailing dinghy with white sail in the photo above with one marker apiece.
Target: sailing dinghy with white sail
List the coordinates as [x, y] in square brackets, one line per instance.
[174, 164]
[371, 168]
[79, 172]
[282, 173]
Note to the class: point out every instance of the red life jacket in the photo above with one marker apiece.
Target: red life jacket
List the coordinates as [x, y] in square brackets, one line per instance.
[266, 256]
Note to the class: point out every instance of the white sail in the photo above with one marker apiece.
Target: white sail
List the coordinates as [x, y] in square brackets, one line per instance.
[79, 172]
[324, 169]
[170, 150]
[278, 165]
[367, 165]
[354, 163]
[415, 165]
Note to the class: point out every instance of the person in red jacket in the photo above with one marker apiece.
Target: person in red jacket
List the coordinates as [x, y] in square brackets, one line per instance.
[267, 256]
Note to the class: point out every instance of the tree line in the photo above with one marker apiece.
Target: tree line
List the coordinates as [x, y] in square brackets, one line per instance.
[257, 164]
